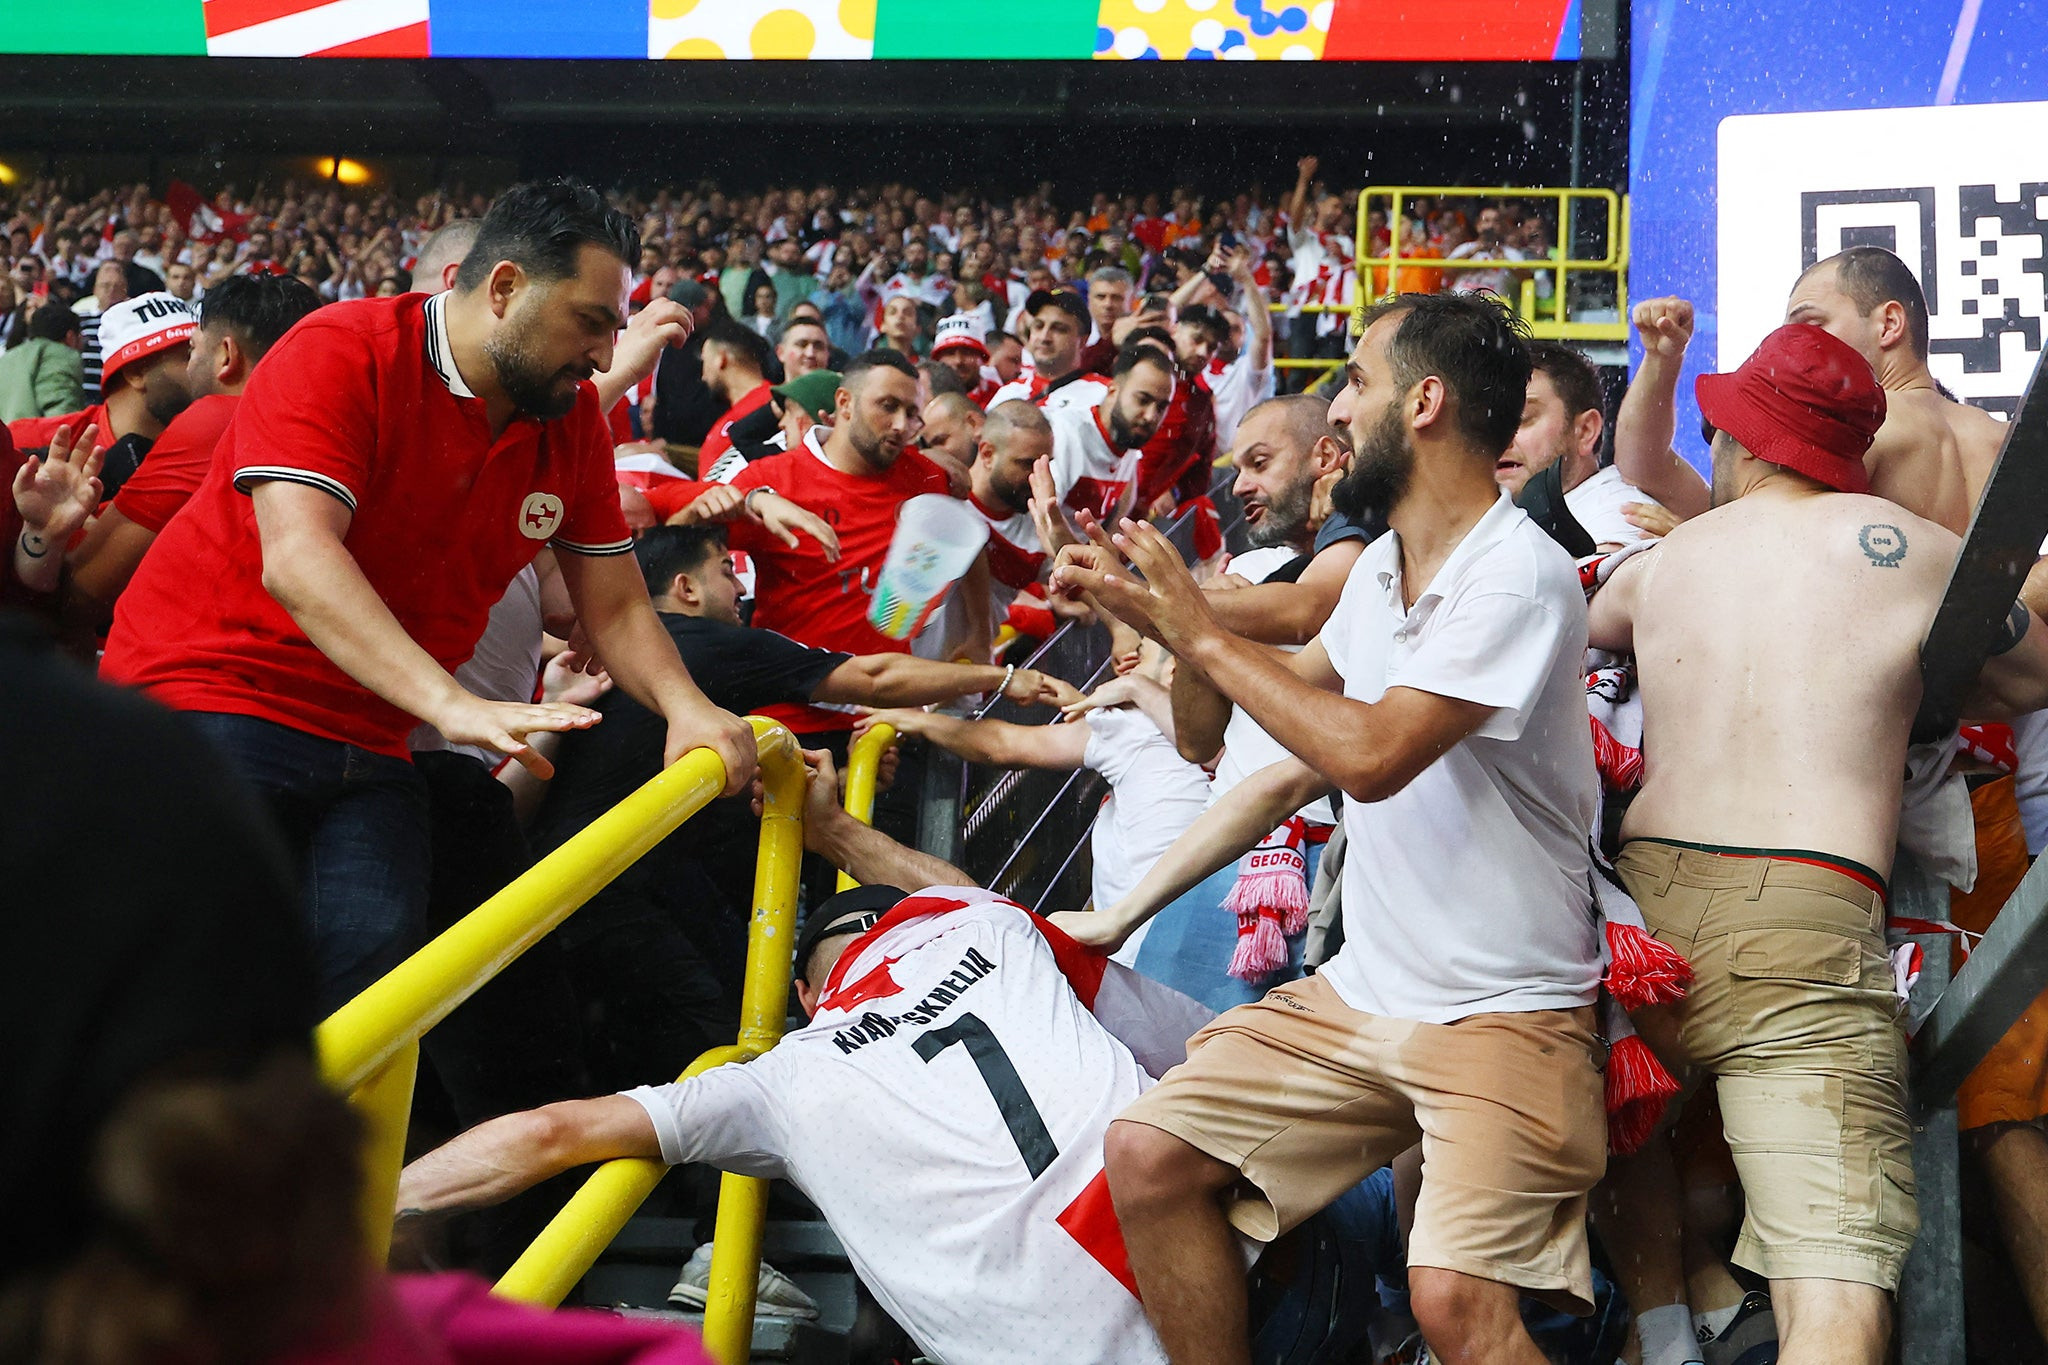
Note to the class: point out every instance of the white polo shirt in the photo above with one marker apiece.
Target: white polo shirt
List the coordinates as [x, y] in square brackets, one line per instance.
[1468, 891]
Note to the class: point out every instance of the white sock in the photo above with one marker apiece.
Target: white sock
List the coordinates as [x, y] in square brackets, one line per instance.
[1714, 1321]
[1666, 1336]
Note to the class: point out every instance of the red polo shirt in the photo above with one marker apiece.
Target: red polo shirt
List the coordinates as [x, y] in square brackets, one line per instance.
[36, 433]
[176, 464]
[796, 591]
[362, 401]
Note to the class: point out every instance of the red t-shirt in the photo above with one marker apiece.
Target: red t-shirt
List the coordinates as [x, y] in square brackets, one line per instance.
[35, 433]
[361, 402]
[176, 465]
[720, 439]
[796, 591]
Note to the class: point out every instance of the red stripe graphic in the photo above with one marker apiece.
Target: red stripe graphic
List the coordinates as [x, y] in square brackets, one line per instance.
[225, 16]
[410, 41]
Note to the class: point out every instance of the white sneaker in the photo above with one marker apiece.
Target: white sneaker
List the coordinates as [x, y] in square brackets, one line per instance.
[775, 1294]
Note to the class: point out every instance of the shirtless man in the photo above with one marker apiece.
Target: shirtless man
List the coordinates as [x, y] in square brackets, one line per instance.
[1761, 839]
[1932, 455]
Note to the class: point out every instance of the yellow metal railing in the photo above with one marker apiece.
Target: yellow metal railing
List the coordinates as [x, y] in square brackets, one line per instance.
[863, 765]
[370, 1046]
[1550, 318]
[594, 1215]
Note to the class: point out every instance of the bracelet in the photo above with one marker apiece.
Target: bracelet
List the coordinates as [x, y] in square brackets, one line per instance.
[1003, 688]
[747, 502]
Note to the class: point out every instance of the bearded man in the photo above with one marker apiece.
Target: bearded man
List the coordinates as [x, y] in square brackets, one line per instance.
[394, 463]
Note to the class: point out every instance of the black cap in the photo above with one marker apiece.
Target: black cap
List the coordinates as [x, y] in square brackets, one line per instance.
[1066, 300]
[852, 911]
[688, 293]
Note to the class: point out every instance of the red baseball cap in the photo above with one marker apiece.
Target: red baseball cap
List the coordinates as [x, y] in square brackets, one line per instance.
[1804, 400]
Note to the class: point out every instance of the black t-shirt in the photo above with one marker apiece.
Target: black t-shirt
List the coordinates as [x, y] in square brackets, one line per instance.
[739, 669]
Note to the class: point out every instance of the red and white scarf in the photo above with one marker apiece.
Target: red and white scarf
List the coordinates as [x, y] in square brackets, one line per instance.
[1270, 898]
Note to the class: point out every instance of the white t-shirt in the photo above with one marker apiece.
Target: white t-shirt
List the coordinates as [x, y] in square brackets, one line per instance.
[1235, 390]
[504, 667]
[945, 1111]
[1154, 795]
[1596, 505]
[1087, 470]
[1246, 747]
[1506, 283]
[1468, 891]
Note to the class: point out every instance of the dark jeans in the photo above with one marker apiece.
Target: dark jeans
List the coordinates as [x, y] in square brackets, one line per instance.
[356, 824]
[518, 1042]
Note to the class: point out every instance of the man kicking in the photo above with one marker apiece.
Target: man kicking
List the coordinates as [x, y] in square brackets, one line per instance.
[1778, 638]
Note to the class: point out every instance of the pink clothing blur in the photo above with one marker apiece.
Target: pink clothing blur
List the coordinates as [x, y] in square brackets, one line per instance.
[455, 1320]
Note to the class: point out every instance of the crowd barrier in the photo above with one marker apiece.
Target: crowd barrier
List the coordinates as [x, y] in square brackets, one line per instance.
[369, 1047]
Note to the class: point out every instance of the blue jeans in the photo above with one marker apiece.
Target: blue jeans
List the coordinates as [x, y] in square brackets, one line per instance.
[356, 824]
[1190, 942]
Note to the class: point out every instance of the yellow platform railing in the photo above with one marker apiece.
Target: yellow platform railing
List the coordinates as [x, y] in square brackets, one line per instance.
[370, 1047]
[1548, 318]
[572, 1242]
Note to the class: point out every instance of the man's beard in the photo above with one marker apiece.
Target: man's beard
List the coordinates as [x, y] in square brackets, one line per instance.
[1017, 499]
[868, 444]
[1286, 518]
[533, 389]
[1125, 434]
[1381, 464]
[164, 394]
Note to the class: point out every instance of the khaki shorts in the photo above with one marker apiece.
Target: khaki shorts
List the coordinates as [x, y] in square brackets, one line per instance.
[1793, 1012]
[1307, 1096]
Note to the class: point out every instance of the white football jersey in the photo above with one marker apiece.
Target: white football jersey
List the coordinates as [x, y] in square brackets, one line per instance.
[1087, 469]
[945, 1111]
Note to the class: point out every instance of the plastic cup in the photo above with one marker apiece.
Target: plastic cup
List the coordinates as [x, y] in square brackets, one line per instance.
[936, 539]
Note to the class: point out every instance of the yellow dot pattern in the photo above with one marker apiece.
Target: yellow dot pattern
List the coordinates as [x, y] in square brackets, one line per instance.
[764, 29]
[1172, 28]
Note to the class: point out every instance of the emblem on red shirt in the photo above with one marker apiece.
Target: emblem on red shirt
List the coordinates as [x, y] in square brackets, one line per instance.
[539, 515]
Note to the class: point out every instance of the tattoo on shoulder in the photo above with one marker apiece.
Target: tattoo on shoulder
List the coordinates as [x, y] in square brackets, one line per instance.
[2013, 631]
[1885, 544]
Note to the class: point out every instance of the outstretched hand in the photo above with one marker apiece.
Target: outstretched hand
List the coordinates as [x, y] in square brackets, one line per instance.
[1166, 605]
[55, 494]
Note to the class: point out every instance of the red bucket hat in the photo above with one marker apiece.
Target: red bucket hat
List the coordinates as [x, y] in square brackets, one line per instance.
[1805, 400]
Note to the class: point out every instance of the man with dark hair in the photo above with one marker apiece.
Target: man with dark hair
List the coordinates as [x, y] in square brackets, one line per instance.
[734, 364]
[856, 473]
[394, 464]
[1096, 448]
[44, 375]
[1561, 425]
[240, 319]
[805, 344]
[1760, 843]
[1057, 322]
[1445, 698]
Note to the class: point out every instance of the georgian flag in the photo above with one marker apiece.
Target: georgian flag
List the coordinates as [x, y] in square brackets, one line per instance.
[316, 28]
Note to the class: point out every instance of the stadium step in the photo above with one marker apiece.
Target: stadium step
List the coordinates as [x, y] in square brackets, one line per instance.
[637, 1271]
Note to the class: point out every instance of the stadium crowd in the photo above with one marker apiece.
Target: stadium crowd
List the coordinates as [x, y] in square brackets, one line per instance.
[1449, 854]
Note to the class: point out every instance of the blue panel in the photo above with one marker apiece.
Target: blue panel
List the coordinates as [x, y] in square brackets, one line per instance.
[1696, 62]
[539, 28]
[1567, 49]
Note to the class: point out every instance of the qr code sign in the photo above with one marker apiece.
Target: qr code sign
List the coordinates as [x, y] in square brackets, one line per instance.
[1960, 194]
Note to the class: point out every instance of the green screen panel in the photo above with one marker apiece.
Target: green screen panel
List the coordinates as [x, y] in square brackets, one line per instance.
[172, 28]
[948, 29]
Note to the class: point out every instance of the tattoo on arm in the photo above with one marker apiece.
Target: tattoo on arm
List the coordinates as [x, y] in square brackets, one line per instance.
[1885, 544]
[2013, 631]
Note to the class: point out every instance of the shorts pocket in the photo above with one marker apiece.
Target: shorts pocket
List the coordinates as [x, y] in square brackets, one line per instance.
[1789, 954]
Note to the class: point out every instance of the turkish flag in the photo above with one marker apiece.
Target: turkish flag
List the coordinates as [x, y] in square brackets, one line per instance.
[204, 222]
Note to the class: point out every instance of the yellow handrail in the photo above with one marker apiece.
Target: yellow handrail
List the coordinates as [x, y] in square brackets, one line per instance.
[370, 1046]
[863, 765]
[1546, 318]
[572, 1242]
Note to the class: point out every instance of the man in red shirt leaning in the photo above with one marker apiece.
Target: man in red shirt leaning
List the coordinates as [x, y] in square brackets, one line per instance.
[241, 318]
[393, 464]
[856, 474]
